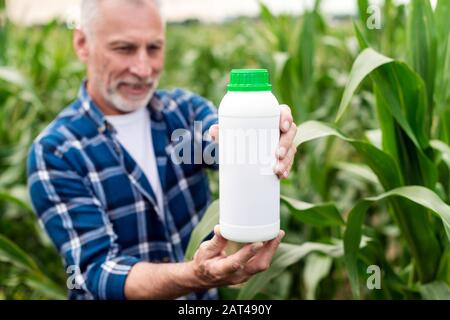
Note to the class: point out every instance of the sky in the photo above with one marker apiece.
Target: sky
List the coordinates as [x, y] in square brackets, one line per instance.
[32, 11]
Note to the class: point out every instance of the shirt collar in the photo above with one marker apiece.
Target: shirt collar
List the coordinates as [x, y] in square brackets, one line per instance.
[92, 110]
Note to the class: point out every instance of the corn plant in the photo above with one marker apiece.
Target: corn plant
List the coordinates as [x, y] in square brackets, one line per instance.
[405, 161]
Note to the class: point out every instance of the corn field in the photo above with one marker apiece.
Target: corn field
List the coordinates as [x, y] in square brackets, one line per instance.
[366, 208]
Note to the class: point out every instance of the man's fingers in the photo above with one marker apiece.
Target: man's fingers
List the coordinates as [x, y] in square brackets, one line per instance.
[285, 118]
[286, 141]
[271, 246]
[286, 148]
[238, 260]
[284, 166]
[261, 261]
[214, 246]
[214, 132]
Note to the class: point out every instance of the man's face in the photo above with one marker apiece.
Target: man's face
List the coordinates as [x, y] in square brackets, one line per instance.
[124, 55]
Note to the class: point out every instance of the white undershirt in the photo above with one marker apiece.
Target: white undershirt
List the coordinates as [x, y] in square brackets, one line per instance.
[135, 135]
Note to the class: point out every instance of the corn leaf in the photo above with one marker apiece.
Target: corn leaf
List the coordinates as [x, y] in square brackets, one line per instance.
[317, 267]
[7, 197]
[380, 162]
[321, 215]
[360, 36]
[442, 89]
[422, 43]
[203, 229]
[46, 286]
[13, 76]
[444, 149]
[365, 63]
[358, 170]
[417, 194]
[286, 255]
[418, 232]
[437, 290]
[10, 252]
[306, 50]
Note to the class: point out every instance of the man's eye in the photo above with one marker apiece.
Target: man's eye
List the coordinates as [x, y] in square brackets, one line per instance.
[154, 48]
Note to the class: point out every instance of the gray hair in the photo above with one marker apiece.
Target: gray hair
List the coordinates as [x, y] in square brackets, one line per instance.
[89, 11]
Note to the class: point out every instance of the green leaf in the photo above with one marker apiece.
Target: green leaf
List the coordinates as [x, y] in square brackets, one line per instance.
[320, 215]
[365, 63]
[362, 10]
[362, 40]
[417, 194]
[35, 279]
[13, 76]
[422, 43]
[444, 149]
[286, 255]
[46, 286]
[306, 50]
[403, 94]
[442, 89]
[438, 290]
[352, 237]
[418, 231]
[10, 252]
[402, 90]
[7, 197]
[203, 229]
[317, 267]
[442, 13]
[358, 170]
[380, 162]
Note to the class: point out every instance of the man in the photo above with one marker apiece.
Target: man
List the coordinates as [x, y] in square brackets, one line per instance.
[102, 181]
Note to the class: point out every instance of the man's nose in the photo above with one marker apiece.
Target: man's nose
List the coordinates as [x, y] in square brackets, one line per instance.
[141, 66]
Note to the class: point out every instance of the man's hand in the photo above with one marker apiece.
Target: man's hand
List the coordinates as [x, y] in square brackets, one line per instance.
[286, 150]
[213, 268]
[210, 268]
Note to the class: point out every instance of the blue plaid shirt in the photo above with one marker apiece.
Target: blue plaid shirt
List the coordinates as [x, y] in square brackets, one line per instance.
[96, 203]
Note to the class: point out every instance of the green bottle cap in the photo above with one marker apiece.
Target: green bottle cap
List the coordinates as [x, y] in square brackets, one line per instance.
[249, 80]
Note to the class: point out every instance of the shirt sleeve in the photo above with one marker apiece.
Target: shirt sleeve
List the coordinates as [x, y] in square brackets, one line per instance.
[77, 224]
[206, 113]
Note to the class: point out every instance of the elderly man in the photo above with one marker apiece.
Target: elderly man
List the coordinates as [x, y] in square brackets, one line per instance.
[102, 181]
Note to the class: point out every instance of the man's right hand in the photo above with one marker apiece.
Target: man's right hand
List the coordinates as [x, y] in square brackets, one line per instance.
[210, 268]
[213, 268]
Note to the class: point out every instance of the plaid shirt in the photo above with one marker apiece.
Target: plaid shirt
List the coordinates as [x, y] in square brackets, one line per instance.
[98, 207]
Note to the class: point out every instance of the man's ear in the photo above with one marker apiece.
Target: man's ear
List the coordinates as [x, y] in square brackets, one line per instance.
[80, 45]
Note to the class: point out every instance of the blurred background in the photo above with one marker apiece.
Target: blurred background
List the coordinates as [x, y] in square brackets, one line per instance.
[309, 48]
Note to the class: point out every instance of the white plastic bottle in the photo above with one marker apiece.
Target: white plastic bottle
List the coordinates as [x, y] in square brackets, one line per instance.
[249, 190]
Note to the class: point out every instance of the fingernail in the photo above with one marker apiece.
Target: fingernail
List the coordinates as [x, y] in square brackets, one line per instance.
[286, 125]
[281, 152]
[256, 246]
